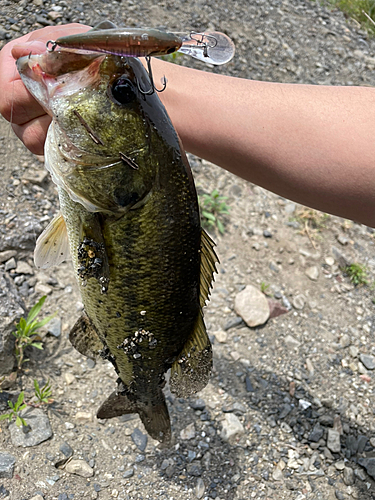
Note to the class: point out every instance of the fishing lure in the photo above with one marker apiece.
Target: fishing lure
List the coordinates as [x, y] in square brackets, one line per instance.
[211, 47]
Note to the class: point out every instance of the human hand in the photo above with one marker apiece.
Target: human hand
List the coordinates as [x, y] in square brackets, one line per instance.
[28, 119]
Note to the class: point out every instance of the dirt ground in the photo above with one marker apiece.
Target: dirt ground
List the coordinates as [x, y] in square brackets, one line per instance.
[299, 390]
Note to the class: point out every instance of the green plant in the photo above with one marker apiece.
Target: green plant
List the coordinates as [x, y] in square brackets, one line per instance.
[14, 410]
[357, 274]
[26, 332]
[43, 394]
[264, 287]
[213, 208]
[175, 57]
[357, 9]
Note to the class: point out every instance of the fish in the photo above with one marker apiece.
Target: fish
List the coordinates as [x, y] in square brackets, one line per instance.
[129, 219]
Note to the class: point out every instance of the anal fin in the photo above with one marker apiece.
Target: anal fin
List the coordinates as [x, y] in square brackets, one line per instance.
[52, 246]
[191, 371]
[84, 337]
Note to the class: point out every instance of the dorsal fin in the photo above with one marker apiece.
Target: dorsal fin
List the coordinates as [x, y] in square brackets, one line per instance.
[52, 246]
[208, 267]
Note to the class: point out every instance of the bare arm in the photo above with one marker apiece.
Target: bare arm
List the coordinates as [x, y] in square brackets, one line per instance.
[311, 144]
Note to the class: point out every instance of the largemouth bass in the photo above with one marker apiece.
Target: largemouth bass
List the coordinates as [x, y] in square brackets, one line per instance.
[130, 219]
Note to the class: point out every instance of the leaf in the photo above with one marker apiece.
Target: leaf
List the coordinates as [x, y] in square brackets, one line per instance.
[22, 407]
[23, 421]
[208, 215]
[18, 421]
[36, 309]
[19, 400]
[38, 345]
[11, 405]
[220, 226]
[43, 322]
[4, 416]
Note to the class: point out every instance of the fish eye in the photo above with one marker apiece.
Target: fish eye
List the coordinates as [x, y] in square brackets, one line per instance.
[122, 91]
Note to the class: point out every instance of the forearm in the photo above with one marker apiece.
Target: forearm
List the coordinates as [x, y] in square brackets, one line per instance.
[311, 144]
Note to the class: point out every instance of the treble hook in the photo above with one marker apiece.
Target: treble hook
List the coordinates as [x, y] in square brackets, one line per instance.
[152, 89]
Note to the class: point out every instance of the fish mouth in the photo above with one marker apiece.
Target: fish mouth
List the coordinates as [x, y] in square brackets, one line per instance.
[44, 75]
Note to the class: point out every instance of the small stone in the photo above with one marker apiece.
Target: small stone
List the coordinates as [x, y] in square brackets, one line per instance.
[252, 305]
[231, 427]
[62, 496]
[267, 234]
[340, 465]
[276, 309]
[54, 327]
[4, 492]
[333, 441]
[10, 264]
[91, 363]
[339, 495]
[316, 434]
[200, 488]
[139, 439]
[312, 273]
[233, 322]
[194, 469]
[221, 336]
[7, 463]
[198, 404]
[54, 15]
[188, 432]
[342, 240]
[285, 410]
[37, 497]
[291, 342]
[249, 385]
[368, 360]
[353, 351]
[80, 468]
[66, 449]
[309, 367]
[362, 441]
[277, 474]
[83, 416]
[128, 473]
[329, 261]
[69, 378]
[23, 268]
[6, 255]
[348, 476]
[43, 289]
[290, 208]
[164, 464]
[299, 302]
[345, 341]
[40, 428]
[35, 176]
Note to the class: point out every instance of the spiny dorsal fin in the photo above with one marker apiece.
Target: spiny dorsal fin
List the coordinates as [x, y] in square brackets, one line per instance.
[208, 267]
[84, 338]
[52, 246]
[191, 371]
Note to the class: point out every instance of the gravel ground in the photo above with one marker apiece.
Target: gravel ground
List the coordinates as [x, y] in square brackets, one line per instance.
[289, 412]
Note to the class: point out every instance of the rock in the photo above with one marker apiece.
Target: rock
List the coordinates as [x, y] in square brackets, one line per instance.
[35, 176]
[341, 259]
[10, 264]
[43, 289]
[252, 306]
[285, 410]
[316, 434]
[233, 322]
[199, 488]
[329, 261]
[11, 310]
[54, 327]
[128, 473]
[353, 351]
[267, 234]
[291, 342]
[342, 240]
[362, 441]
[333, 441]
[139, 439]
[66, 449]
[188, 432]
[23, 268]
[21, 237]
[249, 385]
[348, 476]
[164, 464]
[4, 492]
[8, 254]
[80, 468]
[69, 378]
[221, 336]
[369, 465]
[40, 428]
[368, 360]
[83, 416]
[339, 495]
[231, 427]
[299, 301]
[277, 474]
[7, 463]
[194, 469]
[54, 15]
[198, 404]
[37, 497]
[345, 341]
[312, 273]
[276, 309]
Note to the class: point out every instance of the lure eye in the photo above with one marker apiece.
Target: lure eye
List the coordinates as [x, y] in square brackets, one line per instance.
[122, 91]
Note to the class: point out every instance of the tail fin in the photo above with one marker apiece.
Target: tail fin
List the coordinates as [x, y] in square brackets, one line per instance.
[154, 416]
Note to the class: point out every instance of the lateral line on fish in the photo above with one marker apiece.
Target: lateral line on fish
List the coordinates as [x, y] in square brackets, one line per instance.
[128, 161]
[90, 131]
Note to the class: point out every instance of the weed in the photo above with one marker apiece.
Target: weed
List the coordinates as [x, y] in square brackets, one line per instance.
[26, 332]
[312, 221]
[264, 287]
[213, 209]
[357, 274]
[43, 394]
[14, 411]
[175, 57]
[357, 9]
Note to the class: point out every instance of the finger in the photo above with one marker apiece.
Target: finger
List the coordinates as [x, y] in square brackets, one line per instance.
[33, 134]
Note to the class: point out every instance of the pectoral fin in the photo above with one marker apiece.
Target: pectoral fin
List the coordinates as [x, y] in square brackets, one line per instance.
[208, 267]
[84, 338]
[52, 246]
[191, 371]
